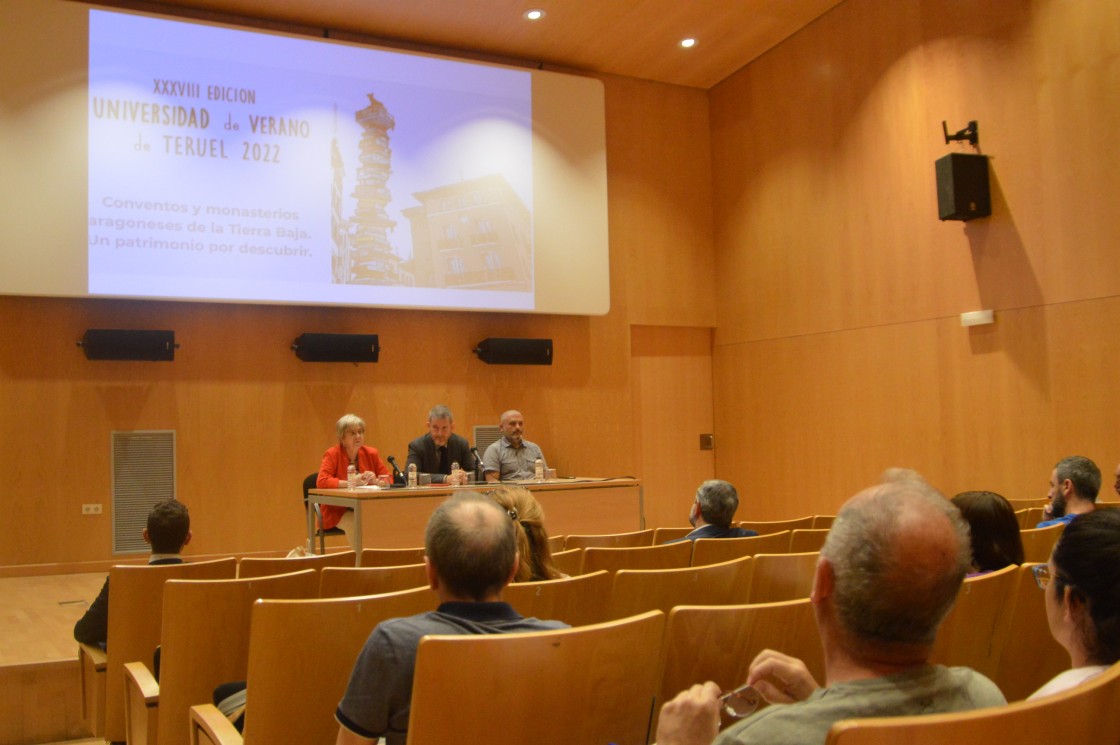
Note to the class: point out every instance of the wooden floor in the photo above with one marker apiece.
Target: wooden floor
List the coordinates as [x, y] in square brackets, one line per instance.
[37, 616]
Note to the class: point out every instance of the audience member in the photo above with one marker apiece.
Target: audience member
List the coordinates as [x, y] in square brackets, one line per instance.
[712, 511]
[1074, 485]
[888, 573]
[435, 452]
[1082, 585]
[993, 528]
[512, 458]
[471, 557]
[350, 451]
[532, 538]
[167, 531]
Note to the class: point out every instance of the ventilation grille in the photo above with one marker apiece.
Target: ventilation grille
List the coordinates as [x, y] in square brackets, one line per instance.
[143, 474]
[485, 435]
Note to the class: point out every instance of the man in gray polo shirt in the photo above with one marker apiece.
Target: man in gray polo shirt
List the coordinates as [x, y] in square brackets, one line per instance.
[511, 458]
[888, 573]
[471, 557]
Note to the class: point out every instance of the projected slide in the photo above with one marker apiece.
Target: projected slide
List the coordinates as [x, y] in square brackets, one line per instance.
[225, 164]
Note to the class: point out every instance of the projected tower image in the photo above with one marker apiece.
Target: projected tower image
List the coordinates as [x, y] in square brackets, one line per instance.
[475, 234]
[363, 253]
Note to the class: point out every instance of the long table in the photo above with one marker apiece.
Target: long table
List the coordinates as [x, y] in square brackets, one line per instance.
[576, 506]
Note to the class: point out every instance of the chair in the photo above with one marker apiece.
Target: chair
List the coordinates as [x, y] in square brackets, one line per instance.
[591, 684]
[568, 562]
[1085, 715]
[301, 653]
[777, 577]
[765, 527]
[667, 556]
[661, 535]
[612, 540]
[639, 590]
[340, 582]
[1030, 656]
[556, 543]
[719, 550]
[91, 669]
[1022, 504]
[718, 643]
[974, 631]
[252, 566]
[391, 557]
[823, 521]
[199, 650]
[310, 483]
[135, 620]
[802, 540]
[577, 601]
[1039, 542]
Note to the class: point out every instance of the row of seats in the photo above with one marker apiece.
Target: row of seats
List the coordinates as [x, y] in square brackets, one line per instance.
[603, 682]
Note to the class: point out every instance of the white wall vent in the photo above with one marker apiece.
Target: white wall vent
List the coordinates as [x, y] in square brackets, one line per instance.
[143, 464]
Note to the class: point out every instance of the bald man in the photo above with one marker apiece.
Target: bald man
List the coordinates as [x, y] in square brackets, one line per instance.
[888, 573]
[511, 458]
[471, 555]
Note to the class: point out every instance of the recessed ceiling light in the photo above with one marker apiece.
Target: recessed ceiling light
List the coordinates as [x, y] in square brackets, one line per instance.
[534, 15]
[688, 43]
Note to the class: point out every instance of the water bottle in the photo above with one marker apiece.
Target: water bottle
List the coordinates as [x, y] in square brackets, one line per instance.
[538, 470]
[411, 475]
[455, 477]
[352, 477]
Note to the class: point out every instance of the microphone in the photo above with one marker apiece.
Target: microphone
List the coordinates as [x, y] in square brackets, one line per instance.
[477, 464]
[398, 477]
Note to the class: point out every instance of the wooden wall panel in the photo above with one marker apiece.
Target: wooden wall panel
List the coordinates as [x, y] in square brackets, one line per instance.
[672, 373]
[661, 195]
[804, 423]
[838, 350]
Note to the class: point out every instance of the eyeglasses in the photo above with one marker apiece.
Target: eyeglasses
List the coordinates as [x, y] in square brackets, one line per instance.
[1042, 575]
[739, 702]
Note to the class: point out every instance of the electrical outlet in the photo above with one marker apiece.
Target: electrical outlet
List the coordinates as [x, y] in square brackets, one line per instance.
[91, 509]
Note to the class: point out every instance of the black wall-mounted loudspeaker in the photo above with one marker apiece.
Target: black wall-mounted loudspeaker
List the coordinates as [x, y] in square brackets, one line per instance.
[128, 344]
[515, 351]
[962, 186]
[337, 347]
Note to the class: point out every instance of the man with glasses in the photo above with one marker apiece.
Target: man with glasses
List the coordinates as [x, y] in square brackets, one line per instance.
[888, 573]
[1074, 485]
[712, 512]
[471, 557]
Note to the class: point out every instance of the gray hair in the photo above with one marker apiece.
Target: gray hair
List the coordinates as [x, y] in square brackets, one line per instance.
[439, 411]
[885, 592]
[718, 501]
[349, 421]
[1082, 473]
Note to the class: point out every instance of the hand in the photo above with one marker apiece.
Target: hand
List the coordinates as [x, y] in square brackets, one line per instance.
[692, 718]
[781, 679]
[368, 477]
[1048, 511]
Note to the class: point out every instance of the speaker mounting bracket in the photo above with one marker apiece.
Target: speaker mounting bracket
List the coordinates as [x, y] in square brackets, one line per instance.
[970, 133]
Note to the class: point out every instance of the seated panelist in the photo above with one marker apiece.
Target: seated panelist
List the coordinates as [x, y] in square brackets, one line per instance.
[350, 451]
[512, 458]
[435, 452]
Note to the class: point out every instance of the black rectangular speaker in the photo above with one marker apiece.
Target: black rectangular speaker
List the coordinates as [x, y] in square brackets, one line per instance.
[128, 344]
[515, 351]
[962, 186]
[337, 347]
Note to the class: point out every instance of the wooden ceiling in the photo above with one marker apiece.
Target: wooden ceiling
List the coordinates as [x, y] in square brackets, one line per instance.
[636, 38]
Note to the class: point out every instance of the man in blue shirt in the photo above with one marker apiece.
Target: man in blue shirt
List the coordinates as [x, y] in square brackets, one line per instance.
[1074, 484]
